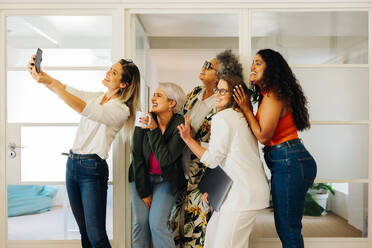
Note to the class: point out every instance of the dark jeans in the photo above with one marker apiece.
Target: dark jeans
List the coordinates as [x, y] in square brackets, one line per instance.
[293, 170]
[86, 183]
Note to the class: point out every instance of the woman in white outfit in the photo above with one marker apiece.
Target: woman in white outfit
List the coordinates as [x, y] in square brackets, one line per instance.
[232, 146]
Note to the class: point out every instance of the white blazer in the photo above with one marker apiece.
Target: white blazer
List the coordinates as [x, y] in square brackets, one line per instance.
[233, 146]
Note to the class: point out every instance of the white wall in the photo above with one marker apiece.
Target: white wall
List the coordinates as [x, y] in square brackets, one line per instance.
[352, 206]
[338, 204]
[181, 66]
[152, 76]
[356, 205]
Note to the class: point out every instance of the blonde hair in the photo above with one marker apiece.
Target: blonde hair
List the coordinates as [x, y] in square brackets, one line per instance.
[130, 95]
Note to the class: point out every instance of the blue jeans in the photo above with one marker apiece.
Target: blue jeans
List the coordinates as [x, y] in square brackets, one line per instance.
[153, 223]
[86, 183]
[293, 171]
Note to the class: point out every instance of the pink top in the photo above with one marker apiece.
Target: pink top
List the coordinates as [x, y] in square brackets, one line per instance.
[154, 165]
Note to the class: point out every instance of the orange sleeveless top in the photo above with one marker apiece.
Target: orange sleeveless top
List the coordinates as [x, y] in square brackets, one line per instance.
[286, 129]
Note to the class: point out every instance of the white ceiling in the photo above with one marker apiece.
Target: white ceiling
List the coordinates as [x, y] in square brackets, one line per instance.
[307, 24]
[65, 25]
[194, 25]
[61, 30]
[263, 24]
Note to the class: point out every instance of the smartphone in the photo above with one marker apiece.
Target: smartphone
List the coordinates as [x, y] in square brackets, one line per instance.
[38, 59]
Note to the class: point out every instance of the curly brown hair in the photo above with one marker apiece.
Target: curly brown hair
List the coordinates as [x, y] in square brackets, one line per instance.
[279, 79]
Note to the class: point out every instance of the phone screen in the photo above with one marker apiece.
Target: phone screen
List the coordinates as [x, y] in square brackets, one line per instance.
[38, 59]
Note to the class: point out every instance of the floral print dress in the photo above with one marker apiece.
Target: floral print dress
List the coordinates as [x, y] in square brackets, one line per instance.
[190, 214]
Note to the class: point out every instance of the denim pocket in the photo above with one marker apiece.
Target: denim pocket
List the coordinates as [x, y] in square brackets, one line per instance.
[308, 169]
[278, 155]
[88, 163]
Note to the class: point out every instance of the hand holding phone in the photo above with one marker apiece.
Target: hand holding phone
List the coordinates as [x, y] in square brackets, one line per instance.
[35, 70]
[38, 59]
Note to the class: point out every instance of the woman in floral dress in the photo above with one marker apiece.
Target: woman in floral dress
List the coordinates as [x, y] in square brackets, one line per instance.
[190, 214]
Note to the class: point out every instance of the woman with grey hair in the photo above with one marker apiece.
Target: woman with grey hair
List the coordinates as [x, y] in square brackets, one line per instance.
[174, 92]
[156, 173]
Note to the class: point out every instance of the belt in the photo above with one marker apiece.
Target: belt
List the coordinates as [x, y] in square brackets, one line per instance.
[81, 156]
[287, 143]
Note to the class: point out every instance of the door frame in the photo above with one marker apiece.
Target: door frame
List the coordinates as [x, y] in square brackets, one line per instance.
[120, 159]
[3, 185]
[124, 49]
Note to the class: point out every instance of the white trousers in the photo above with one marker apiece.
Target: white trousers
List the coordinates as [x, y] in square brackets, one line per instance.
[230, 229]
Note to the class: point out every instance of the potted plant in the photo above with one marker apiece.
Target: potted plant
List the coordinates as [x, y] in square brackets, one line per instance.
[317, 198]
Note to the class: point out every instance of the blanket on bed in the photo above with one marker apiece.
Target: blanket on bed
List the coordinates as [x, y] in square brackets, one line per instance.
[29, 199]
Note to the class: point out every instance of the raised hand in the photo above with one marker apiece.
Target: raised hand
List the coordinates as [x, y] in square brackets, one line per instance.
[242, 99]
[185, 130]
[41, 77]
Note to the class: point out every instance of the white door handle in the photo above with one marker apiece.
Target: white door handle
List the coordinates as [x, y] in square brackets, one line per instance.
[13, 146]
[11, 150]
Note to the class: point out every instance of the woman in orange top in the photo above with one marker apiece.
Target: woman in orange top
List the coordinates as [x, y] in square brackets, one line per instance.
[282, 111]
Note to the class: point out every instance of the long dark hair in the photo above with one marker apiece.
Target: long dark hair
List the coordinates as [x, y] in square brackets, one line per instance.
[279, 79]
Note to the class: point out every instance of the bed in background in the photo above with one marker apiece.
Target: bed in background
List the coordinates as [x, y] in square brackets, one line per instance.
[29, 199]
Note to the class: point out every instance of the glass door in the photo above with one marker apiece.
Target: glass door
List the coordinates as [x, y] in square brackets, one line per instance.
[331, 64]
[172, 47]
[76, 51]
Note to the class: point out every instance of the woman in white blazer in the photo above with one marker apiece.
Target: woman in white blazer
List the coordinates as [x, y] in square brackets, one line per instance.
[232, 146]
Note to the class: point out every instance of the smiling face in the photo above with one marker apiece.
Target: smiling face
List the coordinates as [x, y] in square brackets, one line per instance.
[113, 77]
[222, 95]
[209, 76]
[257, 70]
[161, 103]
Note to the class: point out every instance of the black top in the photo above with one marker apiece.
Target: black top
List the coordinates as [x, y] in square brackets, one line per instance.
[167, 148]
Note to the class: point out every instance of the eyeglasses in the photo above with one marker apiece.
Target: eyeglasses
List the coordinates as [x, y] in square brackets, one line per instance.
[208, 65]
[222, 92]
